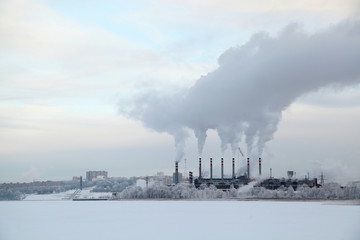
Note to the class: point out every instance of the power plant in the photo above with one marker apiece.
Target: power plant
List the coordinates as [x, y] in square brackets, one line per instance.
[238, 181]
[222, 182]
[275, 183]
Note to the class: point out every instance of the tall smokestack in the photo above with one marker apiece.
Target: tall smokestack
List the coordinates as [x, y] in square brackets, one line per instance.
[248, 167]
[259, 166]
[176, 173]
[222, 168]
[233, 168]
[199, 168]
[210, 168]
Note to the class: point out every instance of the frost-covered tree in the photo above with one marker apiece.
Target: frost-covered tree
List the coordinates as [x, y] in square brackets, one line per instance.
[11, 195]
[186, 191]
[113, 184]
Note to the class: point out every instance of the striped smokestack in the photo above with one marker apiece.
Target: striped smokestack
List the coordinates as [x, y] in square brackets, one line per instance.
[222, 168]
[259, 166]
[248, 167]
[176, 173]
[199, 168]
[233, 168]
[210, 168]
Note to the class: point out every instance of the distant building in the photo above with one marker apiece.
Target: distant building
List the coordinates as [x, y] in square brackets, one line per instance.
[75, 178]
[167, 180]
[90, 175]
[179, 177]
[160, 174]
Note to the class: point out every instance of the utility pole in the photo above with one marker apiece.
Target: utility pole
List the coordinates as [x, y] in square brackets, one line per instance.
[322, 179]
[185, 173]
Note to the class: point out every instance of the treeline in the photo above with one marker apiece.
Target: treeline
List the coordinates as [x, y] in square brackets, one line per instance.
[113, 184]
[185, 191]
[331, 191]
[19, 192]
[8, 194]
[126, 189]
[179, 191]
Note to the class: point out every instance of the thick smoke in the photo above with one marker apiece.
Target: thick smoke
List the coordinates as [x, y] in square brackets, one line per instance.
[200, 134]
[254, 83]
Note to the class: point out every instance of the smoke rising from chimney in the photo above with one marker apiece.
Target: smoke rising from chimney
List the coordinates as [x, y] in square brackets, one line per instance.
[254, 83]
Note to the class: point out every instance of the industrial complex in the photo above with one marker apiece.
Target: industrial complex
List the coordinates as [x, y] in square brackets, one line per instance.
[238, 181]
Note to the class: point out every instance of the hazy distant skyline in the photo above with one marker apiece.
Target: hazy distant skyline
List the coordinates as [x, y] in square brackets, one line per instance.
[66, 66]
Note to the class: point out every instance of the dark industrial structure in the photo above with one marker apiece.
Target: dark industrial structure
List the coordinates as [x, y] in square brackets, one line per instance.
[222, 183]
[177, 177]
[238, 181]
[275, 183]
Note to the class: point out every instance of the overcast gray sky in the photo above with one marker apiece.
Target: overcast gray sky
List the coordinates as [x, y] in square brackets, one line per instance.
[105, 85]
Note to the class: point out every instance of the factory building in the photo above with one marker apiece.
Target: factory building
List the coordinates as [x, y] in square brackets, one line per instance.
[92, 175]
[222, 182]
[275, 183]
[238, 181]
[177, 177]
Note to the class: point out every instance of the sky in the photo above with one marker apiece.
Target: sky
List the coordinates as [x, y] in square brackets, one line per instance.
[110, 85]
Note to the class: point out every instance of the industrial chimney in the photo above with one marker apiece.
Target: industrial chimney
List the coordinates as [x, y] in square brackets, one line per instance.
[222, 168]
[248, 167]
[233, 168]
[210, 168]
[176, 173]
[199, 168]
[259, 166]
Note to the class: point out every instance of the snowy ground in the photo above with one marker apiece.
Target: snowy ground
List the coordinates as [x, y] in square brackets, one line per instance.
[68, 195]
[49, 220]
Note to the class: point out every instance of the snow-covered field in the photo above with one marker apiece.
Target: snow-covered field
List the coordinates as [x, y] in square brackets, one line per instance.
[48, 220]
[68, 195]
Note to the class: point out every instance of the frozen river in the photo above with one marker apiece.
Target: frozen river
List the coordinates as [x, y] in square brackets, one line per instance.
[203, 220]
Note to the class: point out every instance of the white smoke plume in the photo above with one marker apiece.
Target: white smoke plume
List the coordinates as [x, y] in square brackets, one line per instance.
[201, 135]
[254, 83]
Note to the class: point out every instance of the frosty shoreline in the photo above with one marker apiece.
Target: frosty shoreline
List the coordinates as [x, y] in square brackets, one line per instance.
[331, 201]
[324, 201]
[183, 191]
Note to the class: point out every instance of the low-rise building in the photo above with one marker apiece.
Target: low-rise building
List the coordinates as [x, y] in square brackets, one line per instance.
[91, 175]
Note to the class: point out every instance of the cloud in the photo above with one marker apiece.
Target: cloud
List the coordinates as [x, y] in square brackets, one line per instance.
[333, 97]
[37, 128]
[254, 83]
[274, 6]
[47, 55]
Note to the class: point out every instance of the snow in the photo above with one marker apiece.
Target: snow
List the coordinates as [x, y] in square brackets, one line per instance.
[68, 195]
[51, 220]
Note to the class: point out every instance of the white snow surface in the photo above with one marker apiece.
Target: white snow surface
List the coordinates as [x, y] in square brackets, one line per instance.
[51, 220]
[68, 195]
